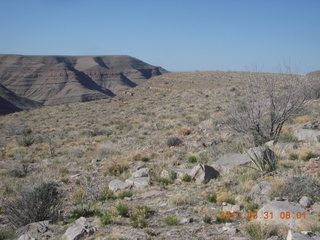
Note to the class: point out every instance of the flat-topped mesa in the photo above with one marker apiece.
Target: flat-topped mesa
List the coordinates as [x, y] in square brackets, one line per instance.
[52, 80]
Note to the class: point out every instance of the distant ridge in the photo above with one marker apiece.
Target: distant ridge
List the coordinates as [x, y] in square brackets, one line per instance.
[52, 80]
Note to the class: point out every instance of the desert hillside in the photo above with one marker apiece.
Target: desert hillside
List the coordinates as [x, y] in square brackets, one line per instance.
[52, 80]
[157, 161]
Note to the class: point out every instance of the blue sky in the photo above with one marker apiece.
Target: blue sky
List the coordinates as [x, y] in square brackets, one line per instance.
[180, 35]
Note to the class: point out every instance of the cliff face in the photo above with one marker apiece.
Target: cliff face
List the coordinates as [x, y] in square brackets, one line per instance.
[52, 80]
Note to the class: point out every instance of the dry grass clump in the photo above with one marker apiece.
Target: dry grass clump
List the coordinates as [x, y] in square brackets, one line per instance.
[304, 119]
[262, 231]
[116, 167]
[181, 199]
[184, 131]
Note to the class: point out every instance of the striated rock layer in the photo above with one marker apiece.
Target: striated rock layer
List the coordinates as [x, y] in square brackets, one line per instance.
[52, 80]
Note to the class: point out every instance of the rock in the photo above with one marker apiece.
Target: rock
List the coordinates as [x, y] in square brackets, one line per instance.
[231, 208]
[270, 143]
[306, 201]
[275, 238]
[203, 173]
[79, 230]
[230, 230]
[306, 134]
[186, 220]
[312, 125]
[151, 194]
[34, 228]
[297, 236]
[26, 237]
[260, 193]
[142, 172]
[118, 185]
[230, 161]
[278, 210]
[169, 174]
[139, 183]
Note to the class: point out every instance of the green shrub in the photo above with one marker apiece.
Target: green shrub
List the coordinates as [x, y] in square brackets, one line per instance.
[41, 203]
[308, 156]
[82, 211]
[186, 178]
[207, 219]
[298, 186]
[171, 220]
[173, 141]
[293, 156]
[231, 201]
[106, 194]
[7, 234]
[124, 194]
[139, 216]
[165, 181]
[192, 159]
[252, 207]
[106, 218]
[122, 209]
[211, 197]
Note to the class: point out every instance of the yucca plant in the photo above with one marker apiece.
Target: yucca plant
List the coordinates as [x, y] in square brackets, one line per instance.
[263, 159]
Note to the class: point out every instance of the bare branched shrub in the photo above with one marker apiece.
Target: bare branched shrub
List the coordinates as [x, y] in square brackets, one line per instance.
[39, 204]
[269, 102]
[298, 186]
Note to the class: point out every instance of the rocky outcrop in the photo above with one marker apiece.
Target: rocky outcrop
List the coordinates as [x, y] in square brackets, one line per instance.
[80, 229]
[52, 80]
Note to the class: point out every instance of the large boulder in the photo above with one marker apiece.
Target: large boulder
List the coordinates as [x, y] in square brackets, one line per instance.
[118, 185]
[260, 192]
[33, 229]
[26, 237]
[281, 212]
[80, 229]
[139, 183]
[229, 161]
[142, 172]
[203, 173]
[306, 201]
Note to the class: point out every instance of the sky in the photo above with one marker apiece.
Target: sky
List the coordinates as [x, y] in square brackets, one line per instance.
[179, 35]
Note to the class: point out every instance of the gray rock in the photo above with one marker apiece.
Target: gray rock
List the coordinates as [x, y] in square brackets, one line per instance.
[79, 230]
[260, 193]
[26, 237]
[297, 236]
[34, 228]
[277, 208]
[306, 134]
[142, 172]
[231, 208]
[203, 173]
[230, 161]
[169, 174]
[139, 183]
[186, 220]
[275, 238]
[306, 201]
[118, 185]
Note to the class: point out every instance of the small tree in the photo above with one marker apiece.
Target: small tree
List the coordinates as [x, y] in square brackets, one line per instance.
[270, 100]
